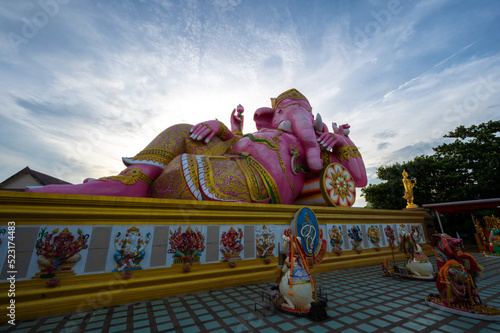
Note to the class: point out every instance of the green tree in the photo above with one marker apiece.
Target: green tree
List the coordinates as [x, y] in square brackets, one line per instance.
[465, 169]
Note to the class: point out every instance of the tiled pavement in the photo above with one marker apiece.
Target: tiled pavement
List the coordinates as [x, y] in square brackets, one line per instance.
[359, 300]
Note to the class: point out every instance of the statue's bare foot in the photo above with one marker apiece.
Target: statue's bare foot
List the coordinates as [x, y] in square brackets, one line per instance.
[134, 181]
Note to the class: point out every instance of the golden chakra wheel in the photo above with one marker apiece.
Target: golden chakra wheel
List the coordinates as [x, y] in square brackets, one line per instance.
[337, 186]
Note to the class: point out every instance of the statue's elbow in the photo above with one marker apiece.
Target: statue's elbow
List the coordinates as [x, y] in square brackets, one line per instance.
[360, 179]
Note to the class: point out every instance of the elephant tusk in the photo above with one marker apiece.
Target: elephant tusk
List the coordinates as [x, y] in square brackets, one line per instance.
[335, 128]
[318, 123]
[285, 125]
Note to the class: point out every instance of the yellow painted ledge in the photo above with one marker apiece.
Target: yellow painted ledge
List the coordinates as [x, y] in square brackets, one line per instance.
[26, 208]
[35, 299]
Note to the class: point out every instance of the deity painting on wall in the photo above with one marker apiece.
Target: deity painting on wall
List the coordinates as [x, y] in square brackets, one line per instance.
[130, 249]
[265, 242]
[59, 252]
[356, 237]
[231, 244]
[336, 238]
[373, 234]
[187, 246]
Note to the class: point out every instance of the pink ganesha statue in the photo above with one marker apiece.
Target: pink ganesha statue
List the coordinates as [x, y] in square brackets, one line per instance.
[210, 162]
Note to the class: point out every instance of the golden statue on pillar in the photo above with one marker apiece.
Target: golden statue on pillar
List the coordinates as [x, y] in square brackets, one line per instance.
[409, 190]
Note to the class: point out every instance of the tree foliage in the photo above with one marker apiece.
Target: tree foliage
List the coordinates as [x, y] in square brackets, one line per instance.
[465, 169]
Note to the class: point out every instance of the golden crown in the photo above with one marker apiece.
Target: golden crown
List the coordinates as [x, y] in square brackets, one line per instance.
[133, 229]
[289, 94]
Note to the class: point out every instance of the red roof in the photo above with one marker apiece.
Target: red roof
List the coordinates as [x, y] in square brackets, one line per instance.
[466, 207]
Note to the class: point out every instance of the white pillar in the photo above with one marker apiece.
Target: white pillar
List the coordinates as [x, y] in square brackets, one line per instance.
[439, 220]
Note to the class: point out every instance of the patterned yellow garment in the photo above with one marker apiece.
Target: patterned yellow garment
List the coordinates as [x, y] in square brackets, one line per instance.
[215, 178]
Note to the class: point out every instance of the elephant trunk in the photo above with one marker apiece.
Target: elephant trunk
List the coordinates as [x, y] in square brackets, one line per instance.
[303, 127]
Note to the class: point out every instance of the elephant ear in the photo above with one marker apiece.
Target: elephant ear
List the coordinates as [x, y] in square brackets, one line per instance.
[263, 118]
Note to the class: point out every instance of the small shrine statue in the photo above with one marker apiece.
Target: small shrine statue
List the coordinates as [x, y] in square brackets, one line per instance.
[494, 242]
[295, 283]
[416, 261]
[409, 190]
[457, 281]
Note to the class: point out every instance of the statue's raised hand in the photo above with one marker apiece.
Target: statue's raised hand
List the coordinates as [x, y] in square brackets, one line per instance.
[338, 138]
[237, 120]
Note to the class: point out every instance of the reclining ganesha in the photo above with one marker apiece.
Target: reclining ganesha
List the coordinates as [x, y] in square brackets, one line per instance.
[210, 162]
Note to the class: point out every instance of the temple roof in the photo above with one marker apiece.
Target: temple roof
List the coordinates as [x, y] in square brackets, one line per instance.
[41, 178]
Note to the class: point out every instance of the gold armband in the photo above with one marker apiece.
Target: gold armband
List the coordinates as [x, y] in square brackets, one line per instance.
[345, 152]
[130, 176]
[223, 132]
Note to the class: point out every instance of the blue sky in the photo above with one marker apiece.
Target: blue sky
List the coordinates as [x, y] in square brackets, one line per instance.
[84, 83]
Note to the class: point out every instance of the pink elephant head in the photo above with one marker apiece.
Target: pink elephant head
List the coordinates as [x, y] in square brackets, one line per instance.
[292, 113]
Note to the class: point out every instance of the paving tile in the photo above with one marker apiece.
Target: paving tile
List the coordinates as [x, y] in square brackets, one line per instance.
[140, 316]
[401, 330]
[461, 324]
[434, 316]
[182, 315]
[379, 322]
[448, 328]
[274, 319]
[121, 320]
[372, 312]
[197, 306]
[190, 329]
[344, 309]
[186, 322]
[348, 320]
[140, 323]
[383, 308]
[205, 318]
[53, 320]
[211, 325]
[415, 326]
[223, 314]
[287, 326]
[392, 318]
[350, 330]
[318, 329]
[494, 326]
[360, 315]
[231, 320]
[179, 309]
[164, 327]
[366, 328]
[240, 310]
[402, 313]
[470, 320]
[356, 306]
[92, 325]
[424, 321]
[26, 324]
